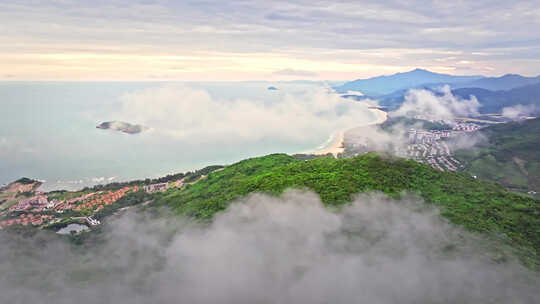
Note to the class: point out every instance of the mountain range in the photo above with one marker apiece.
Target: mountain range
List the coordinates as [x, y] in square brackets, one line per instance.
[493, 93]
[506, 82]
[496, 101]
[382, 85]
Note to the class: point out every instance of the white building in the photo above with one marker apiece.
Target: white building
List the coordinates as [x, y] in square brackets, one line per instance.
[156, 187]
[92, 221]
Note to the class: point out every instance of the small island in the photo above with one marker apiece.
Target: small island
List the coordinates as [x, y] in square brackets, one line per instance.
[272, 89]
[122, 127]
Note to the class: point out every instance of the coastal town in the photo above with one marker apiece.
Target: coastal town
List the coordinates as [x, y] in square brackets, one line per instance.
[432, 146]
[22, 204]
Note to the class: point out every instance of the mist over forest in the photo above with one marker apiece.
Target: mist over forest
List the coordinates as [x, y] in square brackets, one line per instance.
[265, 249]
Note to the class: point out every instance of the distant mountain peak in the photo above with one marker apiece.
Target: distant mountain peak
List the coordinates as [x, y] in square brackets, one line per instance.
[381, 85]
[503, 83]
[511, 75]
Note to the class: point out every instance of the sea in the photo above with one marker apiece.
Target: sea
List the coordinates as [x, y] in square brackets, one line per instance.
[48, 130]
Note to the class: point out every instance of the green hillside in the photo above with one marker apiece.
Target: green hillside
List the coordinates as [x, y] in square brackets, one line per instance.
[478, 206]
[511, 156]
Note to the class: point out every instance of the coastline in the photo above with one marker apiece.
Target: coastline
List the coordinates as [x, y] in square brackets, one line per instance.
[334, 145]
[337, 144]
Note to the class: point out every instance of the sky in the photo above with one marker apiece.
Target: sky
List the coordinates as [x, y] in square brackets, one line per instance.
[264, 40]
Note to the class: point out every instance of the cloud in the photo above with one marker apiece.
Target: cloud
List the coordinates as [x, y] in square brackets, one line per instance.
[98, 179]
[440, 105]
[292, 72]
[373, 138]
[467, 141]
[237, 37]
[358, 93]
[516, 111]
[265, 249]
[394, 137]
[191, 114]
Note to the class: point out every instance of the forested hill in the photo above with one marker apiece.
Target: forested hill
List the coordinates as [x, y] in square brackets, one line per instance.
[476, 205]
[510, 157]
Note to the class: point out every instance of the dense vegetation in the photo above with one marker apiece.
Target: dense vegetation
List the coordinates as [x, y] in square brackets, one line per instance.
[25, 181]
[130, 199]
[477, 205]
[510, 156]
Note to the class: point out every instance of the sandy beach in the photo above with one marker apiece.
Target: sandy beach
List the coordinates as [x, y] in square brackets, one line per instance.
[336, 146]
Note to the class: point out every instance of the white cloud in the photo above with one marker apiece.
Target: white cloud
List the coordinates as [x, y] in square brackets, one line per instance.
[372, 138]
[439, 105]
[98, 179]
[192, 114]
[519, 110]
[358, 93]
[263, 249]
[293, 72]
[296, 30]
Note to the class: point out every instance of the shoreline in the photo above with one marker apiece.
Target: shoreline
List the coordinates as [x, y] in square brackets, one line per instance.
[334, 145]
[337, 144]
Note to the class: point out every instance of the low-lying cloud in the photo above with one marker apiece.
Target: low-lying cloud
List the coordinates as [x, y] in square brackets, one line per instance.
[373, 138]
[265, 249]
[436, 106]
[516, 111]
[192, 114]
[467, 141]
[440, 105]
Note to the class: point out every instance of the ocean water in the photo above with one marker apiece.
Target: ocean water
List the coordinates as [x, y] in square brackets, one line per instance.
[48, 129]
